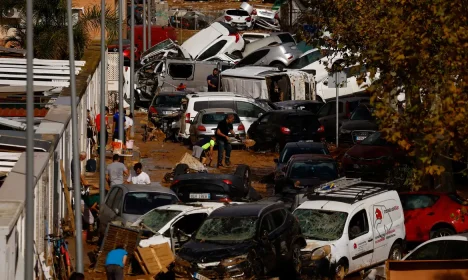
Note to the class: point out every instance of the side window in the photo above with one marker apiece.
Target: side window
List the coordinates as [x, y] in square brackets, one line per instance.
[190, 223]
[264, 118]
[417, 201]
[252, 58]
[195, 120]
[180, 70]
[278, 217]
[200, 105]
[118, 200]
[213, 50]
[456, 250]
[110, 198]
[248, 110]
[267, 224]
[430, 251]
[358, 225]
[222, 104]
[323, 112]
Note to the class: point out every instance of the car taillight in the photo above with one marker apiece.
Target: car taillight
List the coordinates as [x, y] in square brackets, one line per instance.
[290, 57]
[225, 199]
[175, 182]
[126, 53]
[248, 19]
[241, 127]
[237, 36]
[187, 118]
[254, 12]
[321, 129]
[153, 110]
[277, 16]
[201, 128]
[285, 130]
[227, 182]
[227, 18]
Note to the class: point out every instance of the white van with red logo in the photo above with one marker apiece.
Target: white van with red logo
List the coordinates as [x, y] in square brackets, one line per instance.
[349, 225]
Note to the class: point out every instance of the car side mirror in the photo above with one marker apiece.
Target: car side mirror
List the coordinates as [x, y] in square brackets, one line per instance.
[260, 114]
[276, 160]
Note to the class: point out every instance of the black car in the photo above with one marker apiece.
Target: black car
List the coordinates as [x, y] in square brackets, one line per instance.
[276, 128]
[165, 104]
[246, 241]
[361, 124]
[294, 148]
[213, 187]
[308, 105]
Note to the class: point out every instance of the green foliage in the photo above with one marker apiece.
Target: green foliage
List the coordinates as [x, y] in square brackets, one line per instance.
[51, 29]
[419, 47]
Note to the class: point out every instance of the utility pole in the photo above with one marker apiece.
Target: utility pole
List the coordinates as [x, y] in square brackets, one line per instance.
[102, 132]
[149, 24]
[121, 110]
[143, 16]
[132, 64]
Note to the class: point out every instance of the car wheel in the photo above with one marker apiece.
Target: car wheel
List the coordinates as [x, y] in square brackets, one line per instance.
[396, 252]
[296, 259]
[341, 270]
[277, 65]
[243, 171]
[441, 232]
[180, 169]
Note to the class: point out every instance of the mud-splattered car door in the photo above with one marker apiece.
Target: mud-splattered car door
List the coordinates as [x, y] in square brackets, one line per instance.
[267, 252]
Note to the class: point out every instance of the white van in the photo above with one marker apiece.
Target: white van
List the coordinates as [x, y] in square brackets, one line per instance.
[247, 108]
[349, 225]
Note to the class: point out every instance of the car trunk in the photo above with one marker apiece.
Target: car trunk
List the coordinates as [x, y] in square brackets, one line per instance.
[200, 191]
[302, 127]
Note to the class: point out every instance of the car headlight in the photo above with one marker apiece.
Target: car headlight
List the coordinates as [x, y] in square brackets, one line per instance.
[234, 260]
[345, 130]
[321, 253]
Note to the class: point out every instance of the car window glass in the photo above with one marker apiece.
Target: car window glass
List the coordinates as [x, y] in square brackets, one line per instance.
[417, 201]
[264, 118]
[195, 120]
[286, 38]
[358, 225]
[248, 110]
[324, 110]
[252, 58]
[213, 50]
[190, 223]
[267, 224]
[222, 104]
[456, 250]
[200, 105]
[430, 251]
[361, 113]
[180, 71]
[239, 13]
[333, 108]
[278, 217]
[138, 203]
[215, 118]
[117, 200]
[111, 197]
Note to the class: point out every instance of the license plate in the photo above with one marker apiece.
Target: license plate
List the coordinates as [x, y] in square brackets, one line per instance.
[199, 195]
[360, 138]
[199, 276]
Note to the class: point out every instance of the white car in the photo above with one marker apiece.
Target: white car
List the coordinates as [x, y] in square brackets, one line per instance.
[230, 58]
[349, 225]
[238, 18]
[184, 219]
[218, 38]
[267, 19]
[454, 247]
[250, 37]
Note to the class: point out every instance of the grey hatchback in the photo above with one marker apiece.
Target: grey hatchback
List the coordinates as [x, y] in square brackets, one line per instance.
[206, 121]
[126, 203]
[274, 55]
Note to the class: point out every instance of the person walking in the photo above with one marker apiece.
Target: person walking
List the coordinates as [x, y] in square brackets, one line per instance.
[116, 124]
[98, 127]
[115, 263]
[128, 125]
[203, 149]
[116, 171]
[224, 128]
[90, 132]
[84, 183]
[140, 177]
[213, 81]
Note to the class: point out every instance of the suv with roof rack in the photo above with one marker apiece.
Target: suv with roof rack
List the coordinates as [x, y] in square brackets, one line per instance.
[350, 224]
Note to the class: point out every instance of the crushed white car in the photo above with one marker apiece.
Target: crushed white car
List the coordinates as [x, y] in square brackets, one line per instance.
[238, 18]
[250, 37]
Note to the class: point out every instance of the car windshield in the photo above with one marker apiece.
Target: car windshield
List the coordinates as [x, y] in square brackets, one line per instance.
[138, 203]
[158, 218]
[307, 59]
[287, 153]
[228, 229]
[361, 114]
[168, 101]
[215, 118]
[159, 46]
[324, 170]
[238, 13]
[321, 224]
[374, 139]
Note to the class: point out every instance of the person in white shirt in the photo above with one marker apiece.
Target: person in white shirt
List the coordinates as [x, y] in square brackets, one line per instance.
[128, 125]
[140, 177]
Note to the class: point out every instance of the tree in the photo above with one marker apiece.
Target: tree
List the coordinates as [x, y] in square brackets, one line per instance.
[51, 31]
[420, 48]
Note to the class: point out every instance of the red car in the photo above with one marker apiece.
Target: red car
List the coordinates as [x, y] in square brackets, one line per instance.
[433, 214]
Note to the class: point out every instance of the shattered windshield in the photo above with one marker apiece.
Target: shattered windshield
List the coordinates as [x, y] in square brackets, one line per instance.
[158, 218]
[320, 224]
[323, 170]
[227, 229]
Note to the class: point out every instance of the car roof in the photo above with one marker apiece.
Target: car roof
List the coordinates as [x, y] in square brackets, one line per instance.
[192, 206]
[289, 102]
[291, 111]
[245, 210]
[217, 110]
[304, 144]
[429, 192]
[172, 93]
[306, 157]
[459, 237]
[153, 187]
[217, 94]
[326, 205]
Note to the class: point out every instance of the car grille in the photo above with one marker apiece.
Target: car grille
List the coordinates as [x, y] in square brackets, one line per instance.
[364, 133]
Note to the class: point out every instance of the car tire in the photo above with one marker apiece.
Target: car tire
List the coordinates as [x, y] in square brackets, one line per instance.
[341, 270]
[396, 252]
[252, 195]
[180, 169]
[243, 171]
[440, 232]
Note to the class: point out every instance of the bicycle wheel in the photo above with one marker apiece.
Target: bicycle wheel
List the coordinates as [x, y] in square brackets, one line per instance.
[62, 270]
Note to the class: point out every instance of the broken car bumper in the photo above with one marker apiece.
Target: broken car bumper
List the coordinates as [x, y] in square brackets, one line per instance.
[214, 270]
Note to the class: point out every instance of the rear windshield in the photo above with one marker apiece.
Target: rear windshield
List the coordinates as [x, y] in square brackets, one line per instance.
[287, 153]
[323, 170]
[168, 101]
[240, 13]
[361, 113]
[215, 118]
[200, 105]
[286, 38]
[303, 121]
[305, 60]
[138, 203]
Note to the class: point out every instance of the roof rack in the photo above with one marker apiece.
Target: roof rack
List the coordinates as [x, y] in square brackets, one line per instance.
[347, 190]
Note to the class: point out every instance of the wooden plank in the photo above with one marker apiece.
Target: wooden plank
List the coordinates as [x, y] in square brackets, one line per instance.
[142, 264]
[66, 193]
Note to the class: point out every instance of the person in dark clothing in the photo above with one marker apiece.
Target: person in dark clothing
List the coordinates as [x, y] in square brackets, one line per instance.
[203, 149]
[116, 124]
[83, 181]
[224, 128]
[213, 81]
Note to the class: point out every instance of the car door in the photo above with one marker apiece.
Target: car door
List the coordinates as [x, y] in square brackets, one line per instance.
[361, 240]
[456, 250]
[193, 126]
[419, 215]
[257, 131]
[248, 113]
[106, 213]
[184, 226]
[434, 250]
[117, 206]
[280, 233]
[267, 250]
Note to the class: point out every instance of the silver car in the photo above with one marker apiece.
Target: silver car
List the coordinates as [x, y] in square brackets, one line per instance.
[275, 55]
[206, 121]
[127, 203]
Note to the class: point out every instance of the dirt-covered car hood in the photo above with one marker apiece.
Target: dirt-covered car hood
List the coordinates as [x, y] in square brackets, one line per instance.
[203, 252]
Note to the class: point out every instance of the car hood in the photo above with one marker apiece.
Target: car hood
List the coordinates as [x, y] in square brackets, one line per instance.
[203, 252]
[360, 125]
[315, 244]
[368, 151]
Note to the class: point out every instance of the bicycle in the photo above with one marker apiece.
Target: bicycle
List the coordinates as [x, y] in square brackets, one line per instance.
[62, 263]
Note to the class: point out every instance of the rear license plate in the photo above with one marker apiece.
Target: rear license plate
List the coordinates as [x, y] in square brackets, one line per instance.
[200, 196]
[201, 277]
[360, 138]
